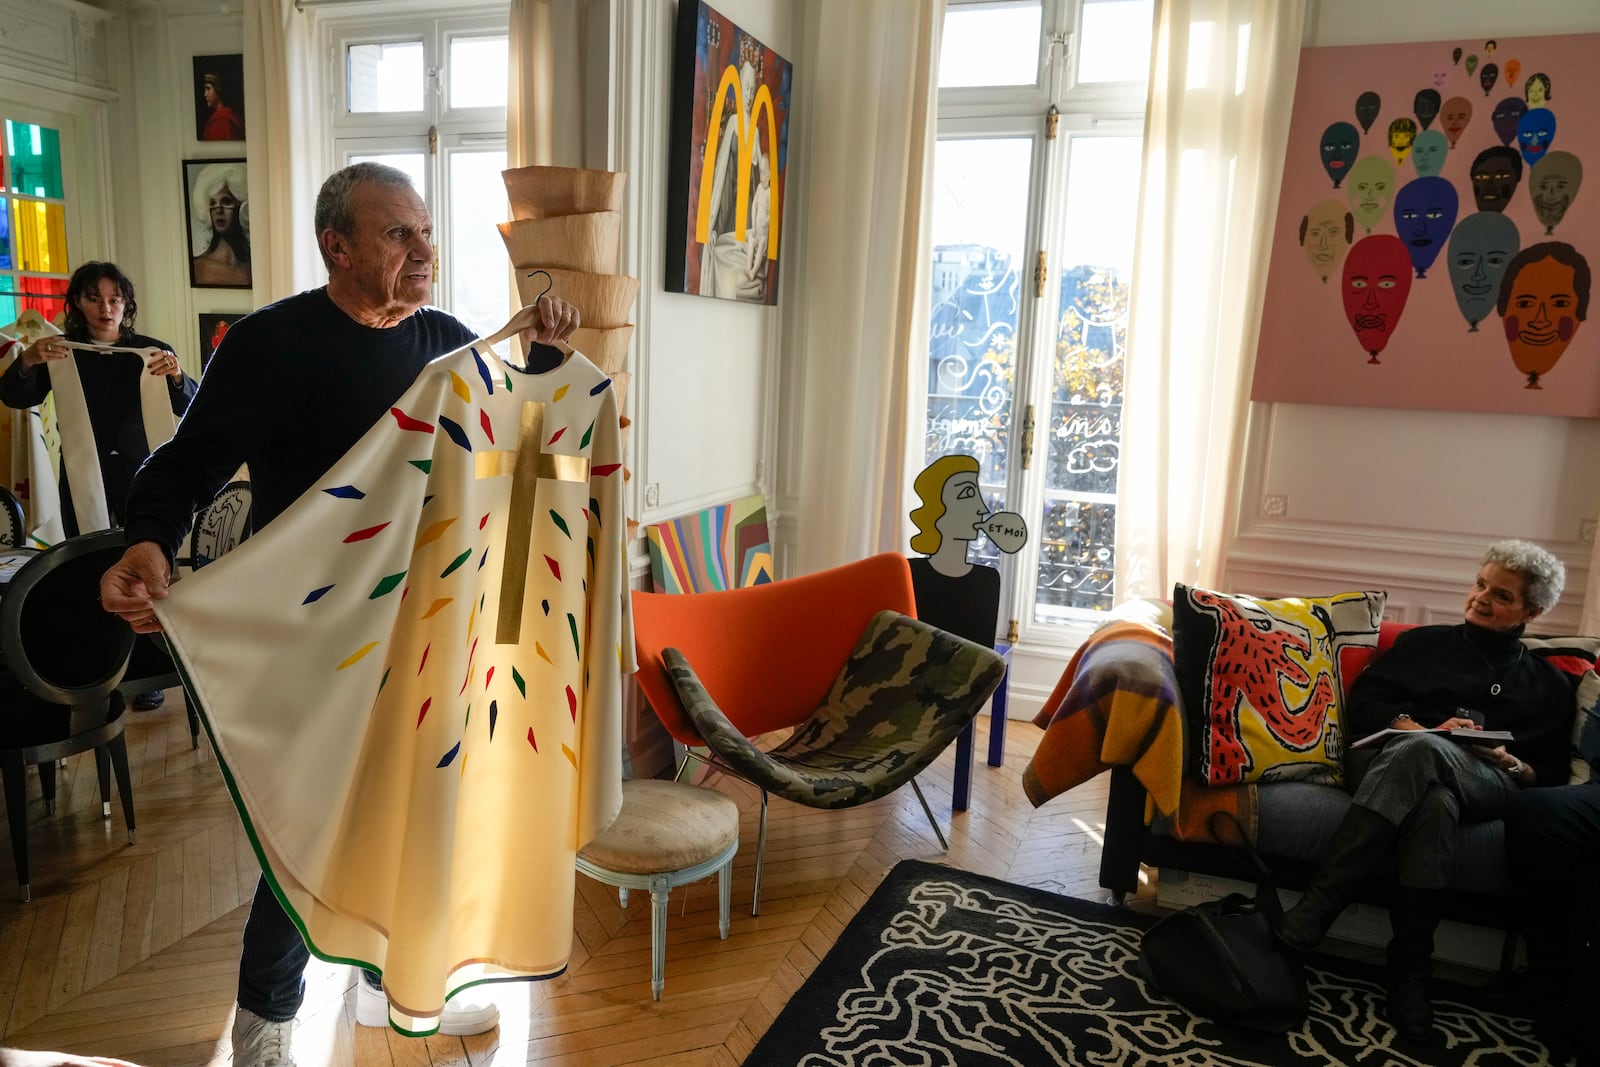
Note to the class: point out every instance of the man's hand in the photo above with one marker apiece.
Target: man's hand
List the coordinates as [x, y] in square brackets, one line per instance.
[555, 322]
[134, 583]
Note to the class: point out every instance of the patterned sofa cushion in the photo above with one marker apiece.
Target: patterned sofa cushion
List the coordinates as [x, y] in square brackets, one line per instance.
[1262, 680]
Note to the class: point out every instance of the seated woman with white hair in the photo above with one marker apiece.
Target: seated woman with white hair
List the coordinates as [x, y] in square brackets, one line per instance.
[1411, 794]
[218, 203]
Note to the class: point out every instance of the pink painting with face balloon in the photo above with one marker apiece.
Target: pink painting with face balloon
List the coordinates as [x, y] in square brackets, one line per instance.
[1377, 281]
[1502, 172]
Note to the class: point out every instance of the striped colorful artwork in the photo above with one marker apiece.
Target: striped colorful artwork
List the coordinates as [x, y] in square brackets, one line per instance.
[724, 547]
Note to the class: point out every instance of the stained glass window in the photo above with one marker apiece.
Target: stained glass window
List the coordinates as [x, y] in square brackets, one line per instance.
[35, 153]
[33, 221]
[40, 231]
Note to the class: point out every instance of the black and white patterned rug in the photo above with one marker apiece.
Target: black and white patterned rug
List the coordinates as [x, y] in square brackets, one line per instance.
[945, 967]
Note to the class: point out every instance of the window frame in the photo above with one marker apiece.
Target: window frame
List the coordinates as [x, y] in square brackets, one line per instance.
[437, 130]
[1097, 109]
[15, 278]
[435, 34]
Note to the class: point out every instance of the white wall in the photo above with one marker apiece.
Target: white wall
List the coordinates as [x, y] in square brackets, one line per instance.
[152, 135]
[706, 367]
[1406, 500]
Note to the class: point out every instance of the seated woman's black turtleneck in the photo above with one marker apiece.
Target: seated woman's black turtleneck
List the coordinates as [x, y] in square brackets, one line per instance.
[1433, 670]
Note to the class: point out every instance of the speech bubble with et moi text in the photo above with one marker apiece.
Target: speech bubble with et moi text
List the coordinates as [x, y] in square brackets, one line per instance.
[1007, 530]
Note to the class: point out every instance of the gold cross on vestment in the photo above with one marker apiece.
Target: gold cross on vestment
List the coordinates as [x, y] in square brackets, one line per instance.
[526, 466]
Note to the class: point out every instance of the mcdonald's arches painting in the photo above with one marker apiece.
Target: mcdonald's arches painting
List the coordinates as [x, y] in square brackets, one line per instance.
[728, 158]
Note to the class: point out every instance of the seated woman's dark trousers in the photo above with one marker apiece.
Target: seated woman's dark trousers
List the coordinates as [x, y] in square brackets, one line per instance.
[1427, 786]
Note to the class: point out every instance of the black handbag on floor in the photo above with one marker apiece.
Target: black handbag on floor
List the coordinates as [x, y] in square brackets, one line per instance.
[1220, 958]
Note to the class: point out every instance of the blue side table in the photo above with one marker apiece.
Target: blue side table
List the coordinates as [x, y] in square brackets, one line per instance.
[997, 737]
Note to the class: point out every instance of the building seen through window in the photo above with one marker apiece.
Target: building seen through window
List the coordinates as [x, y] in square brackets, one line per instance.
[1028, 377]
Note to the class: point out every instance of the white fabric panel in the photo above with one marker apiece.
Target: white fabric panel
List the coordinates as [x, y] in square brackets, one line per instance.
[864, 265]
[285, 125]
[1215, 127]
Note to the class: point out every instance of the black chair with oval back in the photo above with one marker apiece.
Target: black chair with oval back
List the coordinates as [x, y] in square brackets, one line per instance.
[63, 656]
[13, 527]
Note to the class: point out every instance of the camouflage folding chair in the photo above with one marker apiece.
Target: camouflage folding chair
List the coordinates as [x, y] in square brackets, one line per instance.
[864, 695]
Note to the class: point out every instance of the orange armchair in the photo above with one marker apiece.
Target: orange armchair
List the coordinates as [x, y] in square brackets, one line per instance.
[766, 653]
[871, 695]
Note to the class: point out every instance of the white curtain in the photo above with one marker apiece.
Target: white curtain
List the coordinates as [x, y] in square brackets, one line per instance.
[545, 65]
[864, 267]
[282, 120]
[1589, 621]
[1221, 88]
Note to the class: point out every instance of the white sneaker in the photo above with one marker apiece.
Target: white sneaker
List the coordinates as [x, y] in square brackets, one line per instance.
[461, 1018]
[258, 1042]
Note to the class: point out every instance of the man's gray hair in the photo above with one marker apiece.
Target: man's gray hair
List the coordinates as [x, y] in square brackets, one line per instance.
[1543, 575]
[333, 210]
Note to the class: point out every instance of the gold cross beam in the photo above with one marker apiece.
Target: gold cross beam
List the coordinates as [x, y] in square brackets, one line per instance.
[526, 466]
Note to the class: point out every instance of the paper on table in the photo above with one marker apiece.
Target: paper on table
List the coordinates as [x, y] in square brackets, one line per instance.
[1467, 737]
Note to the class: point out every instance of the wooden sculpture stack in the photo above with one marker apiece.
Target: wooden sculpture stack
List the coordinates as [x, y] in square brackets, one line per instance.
[567, 222]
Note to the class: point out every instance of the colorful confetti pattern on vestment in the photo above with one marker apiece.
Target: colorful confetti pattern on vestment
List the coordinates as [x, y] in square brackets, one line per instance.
[464, 438]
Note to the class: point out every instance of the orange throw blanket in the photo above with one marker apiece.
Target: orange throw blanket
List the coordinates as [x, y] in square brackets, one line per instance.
[1117, 705]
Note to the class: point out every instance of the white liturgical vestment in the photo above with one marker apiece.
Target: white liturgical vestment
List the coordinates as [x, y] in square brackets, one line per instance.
[413, 678]
[77, 440]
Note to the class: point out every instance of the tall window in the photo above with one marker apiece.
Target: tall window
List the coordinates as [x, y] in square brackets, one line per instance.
[1037, 176]
[429, 97]
[33, 223]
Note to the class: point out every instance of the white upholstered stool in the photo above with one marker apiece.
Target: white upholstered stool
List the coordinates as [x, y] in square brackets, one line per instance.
[668, 833]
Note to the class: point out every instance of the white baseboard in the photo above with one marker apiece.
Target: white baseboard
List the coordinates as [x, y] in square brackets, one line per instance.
[1477, 947]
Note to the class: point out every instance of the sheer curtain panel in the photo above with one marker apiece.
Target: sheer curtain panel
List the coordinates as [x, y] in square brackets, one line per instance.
[1221, 88]
[283, 120]
[863, 272]
[545, 103]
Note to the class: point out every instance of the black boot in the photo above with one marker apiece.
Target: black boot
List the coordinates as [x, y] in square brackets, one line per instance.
[1413, 916]
[1547, 995]
[1361, 842]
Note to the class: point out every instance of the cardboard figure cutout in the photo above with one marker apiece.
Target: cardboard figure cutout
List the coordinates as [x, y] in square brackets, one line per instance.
[953, 593]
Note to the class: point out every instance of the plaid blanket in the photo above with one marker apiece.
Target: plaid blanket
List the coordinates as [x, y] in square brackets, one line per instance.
[1116, 704]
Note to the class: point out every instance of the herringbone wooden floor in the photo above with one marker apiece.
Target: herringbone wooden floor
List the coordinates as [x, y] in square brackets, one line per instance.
[132, 951]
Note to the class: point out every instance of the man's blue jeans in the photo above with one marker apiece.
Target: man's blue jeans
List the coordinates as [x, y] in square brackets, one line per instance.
[272, 965]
